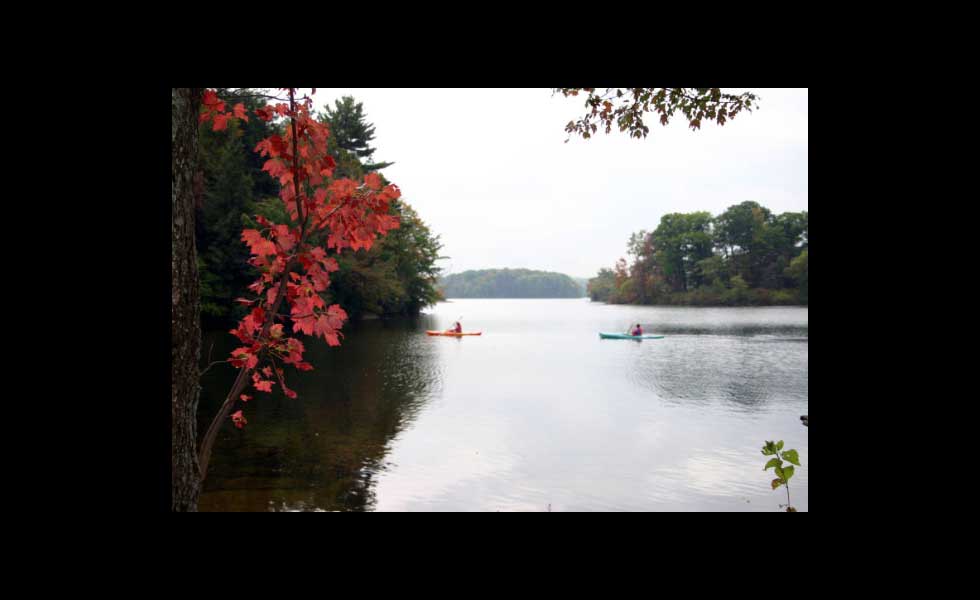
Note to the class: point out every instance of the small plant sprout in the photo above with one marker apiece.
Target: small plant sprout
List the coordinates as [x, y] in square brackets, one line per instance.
[783, 474]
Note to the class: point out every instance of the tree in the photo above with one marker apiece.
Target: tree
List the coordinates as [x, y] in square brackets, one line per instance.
[799, 270]
[713, 272]
[739, 231]
[682, 241]
[325, 215]
[351, 131]
[398, 275]
[640, 247]
[624, 290]
[232, 183]
[743, 256]
[413, 250]
[600, 288]
[227, 195]
[510, 283]
[185, 329]
[625, 108]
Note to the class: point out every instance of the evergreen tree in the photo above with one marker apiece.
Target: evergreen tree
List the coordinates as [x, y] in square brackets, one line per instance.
[350, 131]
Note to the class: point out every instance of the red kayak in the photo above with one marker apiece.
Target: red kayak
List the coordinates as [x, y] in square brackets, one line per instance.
[452, 333]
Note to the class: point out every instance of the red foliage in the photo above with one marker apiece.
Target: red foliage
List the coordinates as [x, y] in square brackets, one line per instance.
[325, 216]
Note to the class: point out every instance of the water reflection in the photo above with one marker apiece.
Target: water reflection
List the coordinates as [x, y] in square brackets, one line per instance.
[322, 450]
[728, 369]
[538, 411]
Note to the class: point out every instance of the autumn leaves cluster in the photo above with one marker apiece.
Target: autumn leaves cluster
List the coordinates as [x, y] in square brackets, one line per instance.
[326, 215]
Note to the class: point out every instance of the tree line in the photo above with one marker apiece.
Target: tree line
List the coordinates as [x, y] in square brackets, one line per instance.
[509, 283]
[397, 276]
[745, 256]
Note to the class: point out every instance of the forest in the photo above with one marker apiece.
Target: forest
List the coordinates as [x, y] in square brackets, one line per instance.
[746, 256]
[509, 283]
[396, 276]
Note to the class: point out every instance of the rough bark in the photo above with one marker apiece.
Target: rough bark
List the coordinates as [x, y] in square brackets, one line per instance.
[185, 328]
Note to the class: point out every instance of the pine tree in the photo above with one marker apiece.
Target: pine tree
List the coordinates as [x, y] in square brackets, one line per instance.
[350, 131]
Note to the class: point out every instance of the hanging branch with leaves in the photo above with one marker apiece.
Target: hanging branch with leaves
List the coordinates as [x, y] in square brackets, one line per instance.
[294, 258]
[625, 108]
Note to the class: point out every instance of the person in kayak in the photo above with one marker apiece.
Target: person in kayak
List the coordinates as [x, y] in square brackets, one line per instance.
[638, 330]
[457, 328]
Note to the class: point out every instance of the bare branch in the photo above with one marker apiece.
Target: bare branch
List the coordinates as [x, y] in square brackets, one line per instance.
[217, 362]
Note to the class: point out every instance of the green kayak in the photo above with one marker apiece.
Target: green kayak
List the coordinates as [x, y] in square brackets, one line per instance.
[624, 336]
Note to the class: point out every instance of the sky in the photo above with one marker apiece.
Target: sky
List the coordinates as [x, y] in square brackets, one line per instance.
[489, 172]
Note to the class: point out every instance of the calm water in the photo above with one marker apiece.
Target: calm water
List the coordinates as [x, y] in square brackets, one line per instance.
[537, 411]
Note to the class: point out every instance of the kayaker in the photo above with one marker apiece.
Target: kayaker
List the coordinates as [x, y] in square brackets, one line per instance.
[638, 330]
[457, 328]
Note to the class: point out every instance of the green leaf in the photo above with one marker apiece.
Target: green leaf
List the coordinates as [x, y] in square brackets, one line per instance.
[787, 473]
[779, 471]
[776, 483]
[773, 462]
[792, 456]
[779, 445]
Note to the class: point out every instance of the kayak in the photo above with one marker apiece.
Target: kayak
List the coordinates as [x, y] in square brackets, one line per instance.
[624, 336]
[452, 334]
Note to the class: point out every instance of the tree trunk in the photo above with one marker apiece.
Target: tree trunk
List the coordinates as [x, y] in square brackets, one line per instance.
[185, 328]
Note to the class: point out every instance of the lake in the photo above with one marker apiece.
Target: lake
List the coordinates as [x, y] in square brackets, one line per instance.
[536, 414]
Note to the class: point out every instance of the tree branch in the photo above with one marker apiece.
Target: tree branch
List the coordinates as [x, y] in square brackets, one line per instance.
[201, 374]
[241, 96]
[240, 382]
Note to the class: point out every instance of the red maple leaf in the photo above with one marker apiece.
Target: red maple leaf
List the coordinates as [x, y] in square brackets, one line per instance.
[330, 265]
[323, 327]
[221, 121]
[373, 181]
[321, 281]
[238, 419]
[264, 113]
[260, 384]
[240, 112]
[275, 167]
[285, 237]
[258, 244]
[211, 101]
[243, 357]
[242, 335]
[304, 324]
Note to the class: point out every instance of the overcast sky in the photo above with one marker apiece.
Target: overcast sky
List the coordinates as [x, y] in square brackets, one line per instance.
[489, 172]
